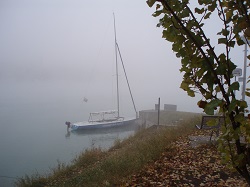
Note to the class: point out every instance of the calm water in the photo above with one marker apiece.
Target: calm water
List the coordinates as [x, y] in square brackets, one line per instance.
[33, 138]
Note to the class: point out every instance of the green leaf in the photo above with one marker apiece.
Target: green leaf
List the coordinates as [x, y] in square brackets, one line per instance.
[168, 35]
[211, 106]
[243, 104]
[185, 13]
[208, 95]
[221, 69]
[234, 86]
[157, 13]
[200, 2]
[207, 15]
[184, 86]
[229, 15]
[247, 94]
[222, 57]
[191, 93]
[225, 32]
[240, 42]
[232, 66]
[240, 118]
[212, 7]
[199, 11]
[232, 105]
[209, 111]
[200, 72]
[217, 89]
[222, 41]
[231, 43]
[151, 2]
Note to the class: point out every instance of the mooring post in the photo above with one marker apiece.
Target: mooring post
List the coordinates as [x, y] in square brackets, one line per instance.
[158, 121]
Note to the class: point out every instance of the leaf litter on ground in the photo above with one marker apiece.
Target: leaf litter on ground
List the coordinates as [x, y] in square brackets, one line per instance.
[184, 165]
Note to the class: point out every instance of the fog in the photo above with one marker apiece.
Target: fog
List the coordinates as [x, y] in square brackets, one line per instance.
[55, 53]
[62, 51]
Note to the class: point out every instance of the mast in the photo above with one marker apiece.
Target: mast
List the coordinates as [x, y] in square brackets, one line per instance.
[117, 80]
[117, 50]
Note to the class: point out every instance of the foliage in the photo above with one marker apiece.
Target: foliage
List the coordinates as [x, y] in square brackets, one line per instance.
[208, 71]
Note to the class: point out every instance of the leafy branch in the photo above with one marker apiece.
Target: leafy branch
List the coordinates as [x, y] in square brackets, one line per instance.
[208, 73]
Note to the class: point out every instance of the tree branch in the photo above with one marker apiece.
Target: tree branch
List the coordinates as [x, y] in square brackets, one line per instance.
[167, 7]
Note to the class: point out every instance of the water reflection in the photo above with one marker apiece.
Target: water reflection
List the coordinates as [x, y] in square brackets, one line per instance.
[113, 130]
[67, 135]
[103, 138]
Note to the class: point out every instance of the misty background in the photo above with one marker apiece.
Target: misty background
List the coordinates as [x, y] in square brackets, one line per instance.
[63, 51]
[53, 54]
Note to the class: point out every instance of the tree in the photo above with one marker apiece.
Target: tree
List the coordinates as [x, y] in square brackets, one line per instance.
[209, 72]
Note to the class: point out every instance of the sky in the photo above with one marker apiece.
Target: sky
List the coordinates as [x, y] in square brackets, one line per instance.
[63, 51]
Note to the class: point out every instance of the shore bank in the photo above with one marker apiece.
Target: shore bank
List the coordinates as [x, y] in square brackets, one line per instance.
[130, 154]
[157, 155]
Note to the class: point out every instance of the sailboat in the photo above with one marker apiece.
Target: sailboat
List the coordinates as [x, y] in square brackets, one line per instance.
[111, 118]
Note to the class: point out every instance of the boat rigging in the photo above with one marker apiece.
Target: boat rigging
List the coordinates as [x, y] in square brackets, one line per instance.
[110, 118]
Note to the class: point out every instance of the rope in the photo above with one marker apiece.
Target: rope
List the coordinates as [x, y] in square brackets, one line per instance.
[126, 79]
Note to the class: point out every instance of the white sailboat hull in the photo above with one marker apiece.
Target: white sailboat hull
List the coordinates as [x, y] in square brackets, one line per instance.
[100, 125]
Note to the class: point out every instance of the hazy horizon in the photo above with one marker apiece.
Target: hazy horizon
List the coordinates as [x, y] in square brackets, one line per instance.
[63, 51]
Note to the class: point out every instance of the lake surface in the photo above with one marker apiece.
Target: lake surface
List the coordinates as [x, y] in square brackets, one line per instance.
[34, 138]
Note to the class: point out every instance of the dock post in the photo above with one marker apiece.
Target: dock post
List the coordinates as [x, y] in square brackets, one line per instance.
[158, 121]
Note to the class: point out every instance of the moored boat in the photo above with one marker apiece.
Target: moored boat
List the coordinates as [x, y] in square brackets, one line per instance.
[111, 118]
[104, 119]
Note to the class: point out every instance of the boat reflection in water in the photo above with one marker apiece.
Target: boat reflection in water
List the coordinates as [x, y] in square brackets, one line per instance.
[124, 131]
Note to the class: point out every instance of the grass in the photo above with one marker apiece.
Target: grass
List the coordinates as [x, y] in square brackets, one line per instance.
[95, 167]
